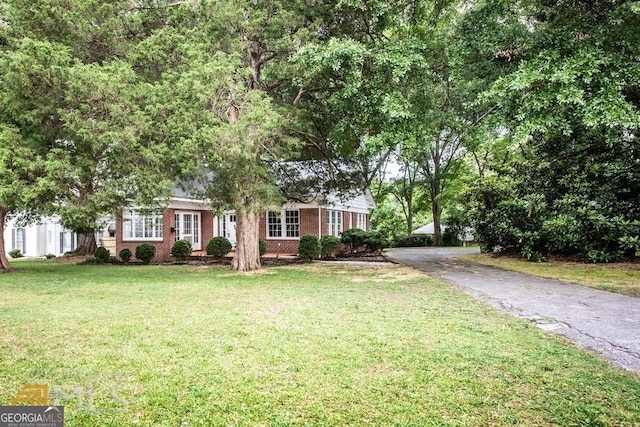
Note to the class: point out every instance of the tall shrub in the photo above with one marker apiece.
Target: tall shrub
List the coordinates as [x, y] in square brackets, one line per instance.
[309, 247]
[329, 246]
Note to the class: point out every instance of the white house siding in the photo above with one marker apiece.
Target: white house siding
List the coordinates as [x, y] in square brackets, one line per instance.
[47, 236]
[40, 238]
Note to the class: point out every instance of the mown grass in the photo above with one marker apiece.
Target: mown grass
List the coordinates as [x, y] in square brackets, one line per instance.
[622, 278]
[300, 345]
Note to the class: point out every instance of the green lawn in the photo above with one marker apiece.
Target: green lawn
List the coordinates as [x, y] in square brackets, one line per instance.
[299, 345]
[622, 278]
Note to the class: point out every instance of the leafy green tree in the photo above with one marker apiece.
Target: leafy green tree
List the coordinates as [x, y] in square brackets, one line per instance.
[91, 103]
[571, 104]
[219, 108]
[30, 67]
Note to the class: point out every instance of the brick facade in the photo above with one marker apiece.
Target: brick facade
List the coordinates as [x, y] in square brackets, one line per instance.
[309, 224]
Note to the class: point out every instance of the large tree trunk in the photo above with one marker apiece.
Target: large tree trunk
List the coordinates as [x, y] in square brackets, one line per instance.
[4, 262]
[86, 243]
[409, 217]
[436, 210]
[247, 257]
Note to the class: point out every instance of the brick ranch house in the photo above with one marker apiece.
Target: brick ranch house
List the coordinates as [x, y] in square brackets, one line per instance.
[191, 219]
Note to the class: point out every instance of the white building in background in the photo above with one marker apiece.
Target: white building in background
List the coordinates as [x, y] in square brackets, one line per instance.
[44, 237]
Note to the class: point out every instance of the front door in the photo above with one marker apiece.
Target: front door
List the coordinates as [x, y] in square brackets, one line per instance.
[229, 228]
[188, 228]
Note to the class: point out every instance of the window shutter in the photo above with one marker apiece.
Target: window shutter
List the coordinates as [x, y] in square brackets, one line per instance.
[24, 241]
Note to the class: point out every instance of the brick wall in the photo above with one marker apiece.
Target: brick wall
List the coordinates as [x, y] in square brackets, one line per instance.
[308, 225]
[206, 222]
[163, 248]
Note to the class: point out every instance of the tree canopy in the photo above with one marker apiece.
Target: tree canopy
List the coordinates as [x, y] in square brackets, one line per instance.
[104, 104]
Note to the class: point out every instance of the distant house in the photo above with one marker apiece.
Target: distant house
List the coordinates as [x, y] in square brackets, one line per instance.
[465, 236]
[191, 219]
[46, 236]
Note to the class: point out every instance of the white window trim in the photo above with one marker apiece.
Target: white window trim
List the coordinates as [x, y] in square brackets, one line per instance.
[363, 225]
[338, 214]
[132, 213]
[283, 224]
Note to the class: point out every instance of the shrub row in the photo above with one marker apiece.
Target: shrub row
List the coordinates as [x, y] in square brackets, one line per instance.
[355, 239]
[413, 241]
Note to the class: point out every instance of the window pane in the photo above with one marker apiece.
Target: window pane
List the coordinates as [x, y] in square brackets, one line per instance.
[140, 227]
[274, 224]
[292, 219]
[196, 228]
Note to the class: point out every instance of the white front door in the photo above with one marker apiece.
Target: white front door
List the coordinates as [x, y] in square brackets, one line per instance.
[188, 228]
[229, 228]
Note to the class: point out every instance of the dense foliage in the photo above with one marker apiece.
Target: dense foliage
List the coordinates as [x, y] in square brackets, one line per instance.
[309, 247]
[262, 247]
[358, 240]
[181, 249]
[533, 105]
[329, 246]
[413, 241]
[125, 255]
[218, 247]
[102, 254]
[145, 252]
[571, 109]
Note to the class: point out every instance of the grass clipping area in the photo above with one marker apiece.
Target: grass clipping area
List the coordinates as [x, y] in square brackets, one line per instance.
[622, 277]
[297, 345]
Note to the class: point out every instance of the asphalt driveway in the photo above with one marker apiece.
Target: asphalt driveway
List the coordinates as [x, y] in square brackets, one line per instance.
[604, 322]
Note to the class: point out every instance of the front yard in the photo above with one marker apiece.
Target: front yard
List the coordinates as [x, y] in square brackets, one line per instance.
[310, 344]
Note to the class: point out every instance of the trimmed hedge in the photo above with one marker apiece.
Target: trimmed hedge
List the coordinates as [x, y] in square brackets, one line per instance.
[145, 252]
[102, 255]
[309, 247]
[125, 254]
[182, 249]
[413, 241]
[329, 246]
[357, 238]
[219, 247]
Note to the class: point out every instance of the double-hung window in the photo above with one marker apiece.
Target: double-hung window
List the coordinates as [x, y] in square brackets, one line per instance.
[18, 240]
[361, 221]
[334, 223]
[283, 224]
[138, 226]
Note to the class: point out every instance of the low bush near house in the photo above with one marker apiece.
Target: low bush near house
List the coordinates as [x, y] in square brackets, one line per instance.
[15, 253]
[181, 249]
[102, 255]
[219, 247]
[50, 256]
[375, 241]
[354, 238]
[357, 239]
[309, 247]
[329, 246]
[145, 252]
[262, 247]
[125, 254]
